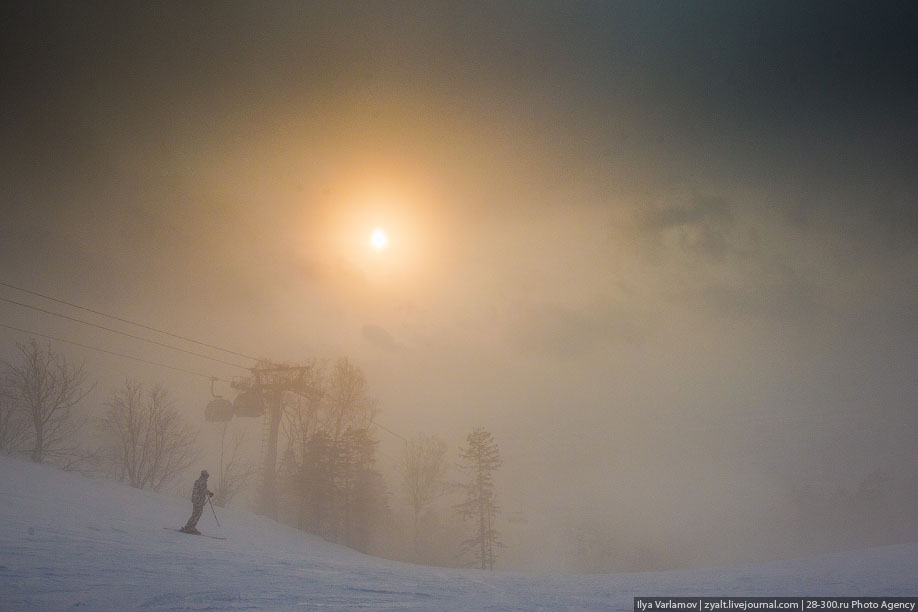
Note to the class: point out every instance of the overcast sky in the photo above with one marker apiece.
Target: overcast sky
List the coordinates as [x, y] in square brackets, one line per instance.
[658, 248]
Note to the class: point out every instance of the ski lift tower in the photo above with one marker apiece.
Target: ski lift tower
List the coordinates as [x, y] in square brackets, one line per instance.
[262, 394]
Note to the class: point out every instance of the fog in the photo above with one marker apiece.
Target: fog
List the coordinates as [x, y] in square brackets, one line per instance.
[665, 253]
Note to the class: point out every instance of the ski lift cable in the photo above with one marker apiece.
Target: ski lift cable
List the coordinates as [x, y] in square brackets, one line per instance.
[154, 329]
[384, 428]
[116, 331]
[101, 350]
[123, 320]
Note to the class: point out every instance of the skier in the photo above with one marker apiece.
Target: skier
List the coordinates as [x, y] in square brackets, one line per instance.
[199, 495]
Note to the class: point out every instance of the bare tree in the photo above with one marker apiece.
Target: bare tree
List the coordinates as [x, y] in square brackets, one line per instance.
[347, 403]
[340, 401]
[46, 389]
[149, 442]
[422, 475]
[302, 417]
[13, 426]
[235, 473]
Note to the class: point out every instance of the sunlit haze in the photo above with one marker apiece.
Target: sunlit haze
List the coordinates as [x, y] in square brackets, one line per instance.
[664, 252]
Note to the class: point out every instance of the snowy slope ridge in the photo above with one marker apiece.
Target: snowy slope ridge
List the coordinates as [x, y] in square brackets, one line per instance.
[68, 542]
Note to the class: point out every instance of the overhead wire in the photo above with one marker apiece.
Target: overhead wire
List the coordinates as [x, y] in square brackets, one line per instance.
[170, 367]
[117, 318]
[123, 333]
[386, 429]
[123, 320]
[102, 350]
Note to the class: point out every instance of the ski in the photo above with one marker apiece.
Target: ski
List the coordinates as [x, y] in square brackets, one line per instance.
[195, 534]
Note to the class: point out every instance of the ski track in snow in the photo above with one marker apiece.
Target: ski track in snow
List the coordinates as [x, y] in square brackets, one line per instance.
[72, 543]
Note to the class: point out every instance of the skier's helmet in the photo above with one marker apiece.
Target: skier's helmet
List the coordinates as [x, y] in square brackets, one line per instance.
[204, 473]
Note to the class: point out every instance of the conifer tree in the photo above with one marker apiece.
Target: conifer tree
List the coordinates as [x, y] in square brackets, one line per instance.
[316, 480]
[481, 457]
[362, 491]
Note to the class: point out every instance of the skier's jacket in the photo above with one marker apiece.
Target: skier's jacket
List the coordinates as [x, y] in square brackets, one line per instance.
[199, 493]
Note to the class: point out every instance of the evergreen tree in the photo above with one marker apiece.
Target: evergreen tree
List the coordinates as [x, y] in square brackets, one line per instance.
[481, 457]
[329, 455]
[361, 488]
[317, 482]
[343, 495]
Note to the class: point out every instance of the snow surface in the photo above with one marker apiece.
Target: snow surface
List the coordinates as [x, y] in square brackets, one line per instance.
[70, 542]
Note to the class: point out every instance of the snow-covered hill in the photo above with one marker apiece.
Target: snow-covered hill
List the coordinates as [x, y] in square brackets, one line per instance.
[69, 542]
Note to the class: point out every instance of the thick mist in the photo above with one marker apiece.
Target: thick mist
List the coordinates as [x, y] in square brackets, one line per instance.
[665, 254]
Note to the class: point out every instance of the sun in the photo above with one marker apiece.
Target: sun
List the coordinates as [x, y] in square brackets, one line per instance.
[378, 239]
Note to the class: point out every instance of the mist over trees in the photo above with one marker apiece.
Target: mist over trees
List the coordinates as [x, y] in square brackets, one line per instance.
[437, 503]
[481, 457]
[235, 472]
[423, 472]
[148, 443]
[363, 493]
[328, 458]
[328, 461]
[328, 466]
[13, 425]
[40, 391]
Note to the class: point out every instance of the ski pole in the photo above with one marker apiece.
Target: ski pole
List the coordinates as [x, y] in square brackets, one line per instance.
[214, 511]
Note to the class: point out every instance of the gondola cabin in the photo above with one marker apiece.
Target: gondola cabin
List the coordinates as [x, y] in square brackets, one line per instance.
[249, 404]
[218, 410]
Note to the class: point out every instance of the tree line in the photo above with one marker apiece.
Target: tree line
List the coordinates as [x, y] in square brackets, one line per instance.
[328, 473]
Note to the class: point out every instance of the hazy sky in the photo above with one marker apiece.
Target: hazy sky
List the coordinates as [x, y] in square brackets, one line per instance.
[660, 249]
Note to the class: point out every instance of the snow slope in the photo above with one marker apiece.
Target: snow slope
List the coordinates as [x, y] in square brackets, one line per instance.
[69, 542]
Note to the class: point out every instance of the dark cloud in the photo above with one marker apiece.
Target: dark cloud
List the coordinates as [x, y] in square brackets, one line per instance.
[700, 226]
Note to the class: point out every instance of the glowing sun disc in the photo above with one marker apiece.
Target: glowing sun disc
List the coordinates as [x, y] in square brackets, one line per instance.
[378, 239]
